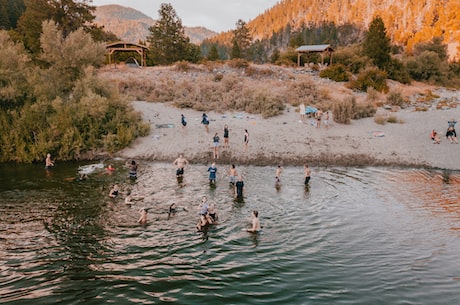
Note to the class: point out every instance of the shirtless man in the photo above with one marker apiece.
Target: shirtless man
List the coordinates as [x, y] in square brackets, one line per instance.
[232, 174]
[255, 222]
[307, 173]
[143, 218]
[181, 163]
[48, 162]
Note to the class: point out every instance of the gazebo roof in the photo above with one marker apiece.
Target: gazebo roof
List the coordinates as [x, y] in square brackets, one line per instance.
[124, 45]
[315, 48]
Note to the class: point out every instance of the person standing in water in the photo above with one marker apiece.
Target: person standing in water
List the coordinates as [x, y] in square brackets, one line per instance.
[181, 163]
[279, 170]
[212, 173]
[255, 222]
[232, 174]
[307, 174]
[48, 162]
[143, 218]
[239, 188]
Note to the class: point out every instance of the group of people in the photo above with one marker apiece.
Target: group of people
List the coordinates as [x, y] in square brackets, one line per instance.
[215, 142]
[318, 116]
[451, 134]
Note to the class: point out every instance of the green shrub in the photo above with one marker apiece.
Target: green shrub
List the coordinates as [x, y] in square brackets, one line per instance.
[336, 73]
[370, 78]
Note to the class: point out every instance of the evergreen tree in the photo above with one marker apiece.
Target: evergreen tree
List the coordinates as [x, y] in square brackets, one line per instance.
[69, 15]
[167, 40]
[241, 41]
[376, 44]
[213, 53]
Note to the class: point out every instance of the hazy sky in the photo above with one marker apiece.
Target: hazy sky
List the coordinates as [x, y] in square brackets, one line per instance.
[216, 15]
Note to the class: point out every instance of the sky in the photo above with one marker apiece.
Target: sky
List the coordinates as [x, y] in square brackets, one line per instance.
[216, 15]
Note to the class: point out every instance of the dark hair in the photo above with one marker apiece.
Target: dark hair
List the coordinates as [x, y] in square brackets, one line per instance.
[256, 213]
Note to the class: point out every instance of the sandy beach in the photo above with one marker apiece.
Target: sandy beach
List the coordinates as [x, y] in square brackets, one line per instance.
[286, 140]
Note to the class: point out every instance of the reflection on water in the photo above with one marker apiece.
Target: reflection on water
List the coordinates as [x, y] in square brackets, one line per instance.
[357, 236]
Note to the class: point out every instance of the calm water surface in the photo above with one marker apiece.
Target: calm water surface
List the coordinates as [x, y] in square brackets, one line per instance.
[355, 236]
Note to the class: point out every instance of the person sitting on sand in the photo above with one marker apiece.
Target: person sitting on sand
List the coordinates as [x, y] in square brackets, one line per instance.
[114, 192]
[255, 222]
[451, 135]
[435, 137]
[180, 163]
[451, 123]
[48, 162]
[143, 218]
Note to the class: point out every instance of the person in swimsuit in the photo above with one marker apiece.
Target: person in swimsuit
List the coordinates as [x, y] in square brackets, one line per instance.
[451, 123]
[307, 174]
[435, 137]
[181, 163]
[133, 170]
[232, 173]
[212, 211]
[451, 135]
[48, 162]
[204, 214]
[114, 192]
[239, 188]
[279, 170]
[326, 119]
[215, 145]
[212, 173]
[183, 120]
[318, 116]
[226, 136]
[143, 218]
[246, 139]
[255, 222]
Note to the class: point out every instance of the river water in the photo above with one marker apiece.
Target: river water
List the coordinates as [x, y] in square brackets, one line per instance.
[355, 236]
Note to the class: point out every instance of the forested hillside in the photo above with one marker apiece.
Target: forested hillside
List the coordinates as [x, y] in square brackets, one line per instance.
[407, 21]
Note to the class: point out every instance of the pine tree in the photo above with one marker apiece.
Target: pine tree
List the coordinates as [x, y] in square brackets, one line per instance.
[241, 41]
[376, 44]
[167, 40]
[213, 53]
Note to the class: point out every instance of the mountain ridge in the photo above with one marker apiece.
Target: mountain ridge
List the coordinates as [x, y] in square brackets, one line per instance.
[132, 25]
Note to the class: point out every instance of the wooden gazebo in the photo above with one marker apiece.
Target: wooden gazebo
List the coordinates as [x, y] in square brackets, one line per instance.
[121, 46]
[319, 48]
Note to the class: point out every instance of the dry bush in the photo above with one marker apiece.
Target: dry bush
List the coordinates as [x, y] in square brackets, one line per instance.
[182, 66]
[238, 63]
[258, 73]
[395, 98]
[392, 119]
[380, 119]
[372, 95]
[302, 90]
[343, 110]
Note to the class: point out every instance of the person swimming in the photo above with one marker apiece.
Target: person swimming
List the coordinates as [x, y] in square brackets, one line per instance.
[143, 218]
[255, 222]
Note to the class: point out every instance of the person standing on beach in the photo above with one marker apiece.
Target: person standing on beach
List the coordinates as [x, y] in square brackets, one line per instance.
[183, 121]
[181, 163]
[239, 188]
[205, 121]
[48, 162]
[226, 136]
[326, 119]
[307, 174]
[215, 145]
[246, 140]
[212, 173]
[302, 112]
[318, 116]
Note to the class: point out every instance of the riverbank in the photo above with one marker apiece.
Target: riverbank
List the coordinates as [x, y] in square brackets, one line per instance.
[287, 140]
